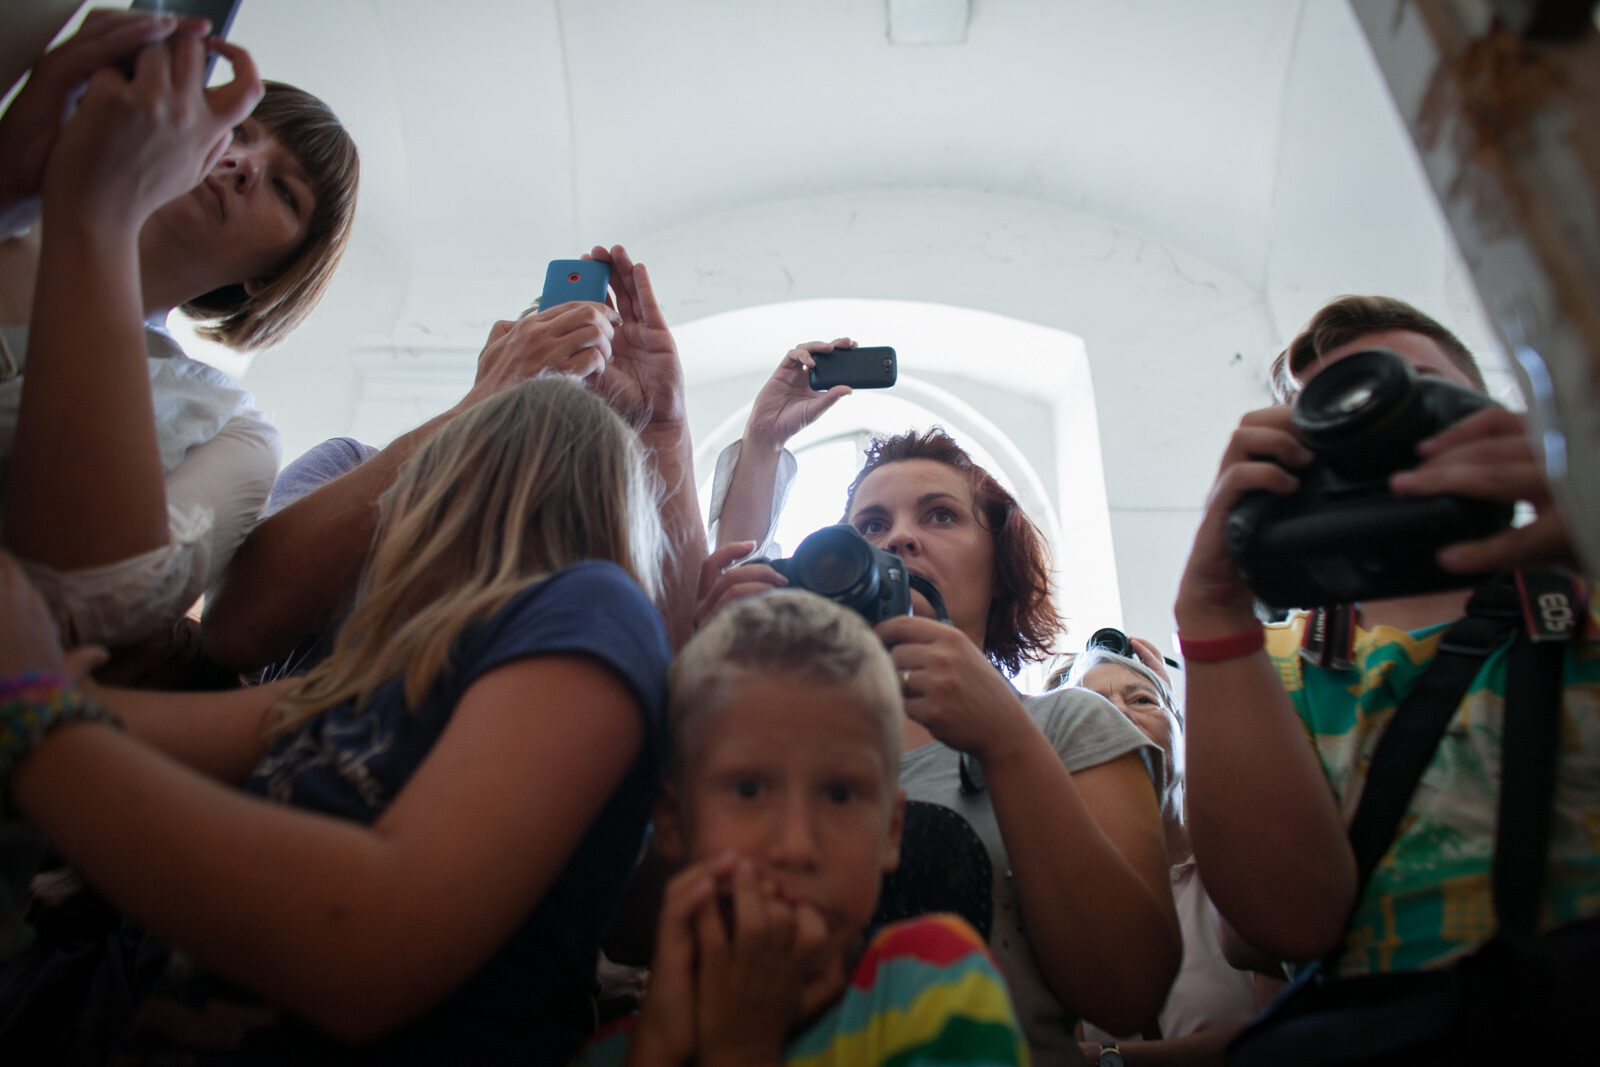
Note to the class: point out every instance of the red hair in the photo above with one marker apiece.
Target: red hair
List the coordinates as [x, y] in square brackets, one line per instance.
[1023, 622]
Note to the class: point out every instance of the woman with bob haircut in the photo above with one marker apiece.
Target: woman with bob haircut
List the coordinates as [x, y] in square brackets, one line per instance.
[408, 855]
[1032, 815]
[130, 473]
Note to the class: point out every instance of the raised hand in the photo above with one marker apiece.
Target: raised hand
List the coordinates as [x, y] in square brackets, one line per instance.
[1263, 453]
[1148, 654]
[787, 404]
[721, 585]
[29, 127]
[644, 380]
[134, 144]
[570, 338]
[1487, 456]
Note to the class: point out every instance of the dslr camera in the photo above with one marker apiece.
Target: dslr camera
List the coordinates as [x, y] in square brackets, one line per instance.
[1343, 536]
[840, 564]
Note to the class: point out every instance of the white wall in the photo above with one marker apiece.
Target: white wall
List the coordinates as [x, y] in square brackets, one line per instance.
[1072, 212]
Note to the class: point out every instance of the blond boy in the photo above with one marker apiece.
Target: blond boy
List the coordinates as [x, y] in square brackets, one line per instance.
[782, 799]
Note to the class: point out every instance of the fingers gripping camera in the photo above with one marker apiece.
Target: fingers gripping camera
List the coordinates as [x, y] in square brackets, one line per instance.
[1343, 536]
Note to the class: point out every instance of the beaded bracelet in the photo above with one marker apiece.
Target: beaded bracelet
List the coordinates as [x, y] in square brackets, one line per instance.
[31, 683]
[1218, 649]
[33, 704]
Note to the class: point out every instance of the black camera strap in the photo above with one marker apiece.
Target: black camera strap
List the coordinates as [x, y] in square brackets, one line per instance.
[1528, 750]
[1528, 754]
[931, 593]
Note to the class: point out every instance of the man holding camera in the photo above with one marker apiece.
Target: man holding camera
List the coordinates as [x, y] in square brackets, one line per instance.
[1269, 812]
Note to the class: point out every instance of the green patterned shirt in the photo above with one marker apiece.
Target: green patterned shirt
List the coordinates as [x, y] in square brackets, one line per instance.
[1429, 899]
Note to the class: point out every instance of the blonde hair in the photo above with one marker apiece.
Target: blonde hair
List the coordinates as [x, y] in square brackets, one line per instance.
[793, 634]
[308, 128]
[535, 479]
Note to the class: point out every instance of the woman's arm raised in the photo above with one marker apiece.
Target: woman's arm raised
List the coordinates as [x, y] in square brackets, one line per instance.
[308, 910]
[785, 405]
[86, 482]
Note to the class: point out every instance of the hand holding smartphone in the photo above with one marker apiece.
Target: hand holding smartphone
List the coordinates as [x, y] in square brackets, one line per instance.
[220, 12]
[566, 280]
[859, 368]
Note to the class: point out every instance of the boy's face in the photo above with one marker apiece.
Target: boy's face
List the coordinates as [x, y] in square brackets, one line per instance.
[793, 777]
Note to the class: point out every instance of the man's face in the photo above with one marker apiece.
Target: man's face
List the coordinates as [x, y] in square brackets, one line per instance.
[1423, 353]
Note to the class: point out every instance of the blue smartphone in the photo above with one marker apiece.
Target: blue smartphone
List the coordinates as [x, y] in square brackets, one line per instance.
[566, 280]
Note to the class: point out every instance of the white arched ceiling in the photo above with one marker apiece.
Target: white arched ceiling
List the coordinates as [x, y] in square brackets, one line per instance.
[1156, 178]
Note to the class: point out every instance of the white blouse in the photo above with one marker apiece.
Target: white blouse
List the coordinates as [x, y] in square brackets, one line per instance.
[220, 456]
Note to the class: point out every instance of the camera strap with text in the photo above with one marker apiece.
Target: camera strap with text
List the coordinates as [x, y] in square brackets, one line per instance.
[1519, 982]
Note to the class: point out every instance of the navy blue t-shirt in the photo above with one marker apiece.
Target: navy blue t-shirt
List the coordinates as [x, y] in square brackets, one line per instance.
[531, 1002]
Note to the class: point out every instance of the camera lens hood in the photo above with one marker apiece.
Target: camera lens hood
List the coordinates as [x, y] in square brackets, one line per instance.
[1363, 414]
[836, 562]
[1112, 640]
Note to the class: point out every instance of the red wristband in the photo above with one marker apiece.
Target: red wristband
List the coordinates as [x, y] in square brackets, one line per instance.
[1218, 649]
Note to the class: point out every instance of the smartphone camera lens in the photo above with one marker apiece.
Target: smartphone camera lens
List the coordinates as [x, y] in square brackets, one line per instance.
[574, 277]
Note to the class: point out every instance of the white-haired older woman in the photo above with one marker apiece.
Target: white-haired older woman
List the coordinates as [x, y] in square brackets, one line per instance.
[1210, 1001]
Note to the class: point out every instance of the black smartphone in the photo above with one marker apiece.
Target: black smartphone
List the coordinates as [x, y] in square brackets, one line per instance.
[220, 12]
[859, 368]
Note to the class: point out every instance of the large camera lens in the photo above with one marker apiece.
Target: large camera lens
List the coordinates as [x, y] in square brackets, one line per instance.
[832, 571]
[833, 563]
[1112, 640]
[1363, 415]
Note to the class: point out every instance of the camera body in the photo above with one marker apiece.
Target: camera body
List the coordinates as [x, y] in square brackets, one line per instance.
[838, 563]
[1342, 536]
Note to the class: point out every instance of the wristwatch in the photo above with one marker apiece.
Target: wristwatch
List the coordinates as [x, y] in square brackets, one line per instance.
[1110, 1056]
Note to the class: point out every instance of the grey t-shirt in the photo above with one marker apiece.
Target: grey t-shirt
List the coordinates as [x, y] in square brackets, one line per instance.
[1086, 731]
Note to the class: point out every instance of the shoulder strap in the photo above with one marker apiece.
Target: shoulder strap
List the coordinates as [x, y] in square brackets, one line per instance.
[1414, 733]
[1528, 750]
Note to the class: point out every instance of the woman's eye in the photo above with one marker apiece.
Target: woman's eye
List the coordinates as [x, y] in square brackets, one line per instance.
[240, 133]
[286, 194]
[868, 527]
[747, 788]
[942, 516]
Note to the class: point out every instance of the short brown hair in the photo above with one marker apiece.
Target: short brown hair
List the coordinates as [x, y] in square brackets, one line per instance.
[308, 128]
[1023, 622]
[1343, 320]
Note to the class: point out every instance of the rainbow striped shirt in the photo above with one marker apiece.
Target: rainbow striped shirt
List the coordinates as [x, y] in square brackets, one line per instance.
[924, 992]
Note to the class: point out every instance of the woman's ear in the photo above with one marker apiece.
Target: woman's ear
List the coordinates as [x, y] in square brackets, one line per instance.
[669, 823]
[256, 286]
